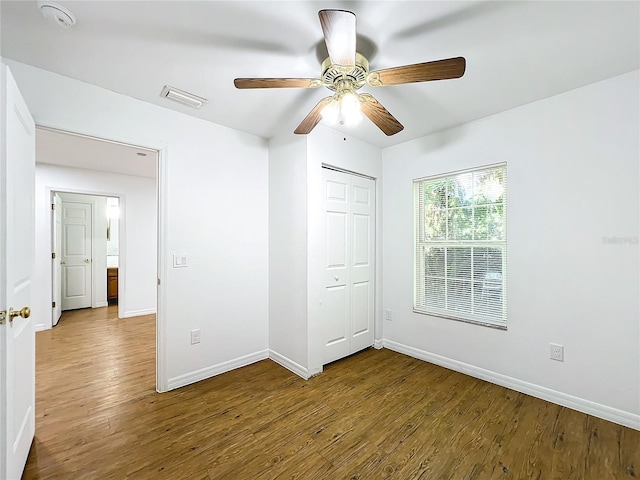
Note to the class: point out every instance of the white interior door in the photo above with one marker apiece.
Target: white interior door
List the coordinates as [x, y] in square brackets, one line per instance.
[76, 254]
[57, 258]
[348, 302]
[17, 336]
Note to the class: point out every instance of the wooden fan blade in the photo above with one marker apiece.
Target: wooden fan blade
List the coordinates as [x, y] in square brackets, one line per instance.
[277, 82]
[313, 118]
[419, 72]
[339, 28]
[380, 115]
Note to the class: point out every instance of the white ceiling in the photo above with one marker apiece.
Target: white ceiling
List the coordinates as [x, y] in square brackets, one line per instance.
[61, 148]
[516, 52]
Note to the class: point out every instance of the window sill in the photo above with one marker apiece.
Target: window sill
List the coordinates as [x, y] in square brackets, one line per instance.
[497, 326]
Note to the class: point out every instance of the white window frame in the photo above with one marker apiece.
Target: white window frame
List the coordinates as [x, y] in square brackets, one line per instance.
[421, 244]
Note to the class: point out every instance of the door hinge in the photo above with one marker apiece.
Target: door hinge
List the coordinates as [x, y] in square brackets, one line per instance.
[158, 281]
[53, 304]
[53, 206]
[53, 255]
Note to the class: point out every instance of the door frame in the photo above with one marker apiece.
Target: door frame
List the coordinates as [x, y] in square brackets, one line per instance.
[51, 192]
[162, 216]
[94, 302]
[56, 243]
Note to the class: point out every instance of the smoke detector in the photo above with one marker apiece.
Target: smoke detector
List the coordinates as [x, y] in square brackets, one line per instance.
[58, 14]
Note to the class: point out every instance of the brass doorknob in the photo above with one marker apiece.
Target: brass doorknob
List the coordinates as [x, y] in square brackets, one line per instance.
[24, 312]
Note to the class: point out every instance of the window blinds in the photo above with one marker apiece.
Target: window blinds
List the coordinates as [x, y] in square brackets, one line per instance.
[460, 245]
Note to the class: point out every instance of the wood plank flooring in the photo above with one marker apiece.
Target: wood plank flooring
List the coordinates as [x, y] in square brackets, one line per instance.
[375, 415]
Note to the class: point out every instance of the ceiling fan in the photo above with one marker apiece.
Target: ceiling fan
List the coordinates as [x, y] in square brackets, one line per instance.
[346, 71]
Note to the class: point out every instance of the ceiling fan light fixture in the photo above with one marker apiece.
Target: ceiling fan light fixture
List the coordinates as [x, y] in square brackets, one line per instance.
[330, 112]
[180, 96]
[350, 111]
[343, 110]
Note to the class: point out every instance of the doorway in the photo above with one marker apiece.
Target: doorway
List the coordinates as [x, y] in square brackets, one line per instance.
[85, 245]
[90, 175]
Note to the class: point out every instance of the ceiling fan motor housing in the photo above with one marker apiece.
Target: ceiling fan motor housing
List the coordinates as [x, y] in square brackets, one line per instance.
[335, 77]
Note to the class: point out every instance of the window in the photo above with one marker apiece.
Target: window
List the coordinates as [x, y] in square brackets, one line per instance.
[461, 245]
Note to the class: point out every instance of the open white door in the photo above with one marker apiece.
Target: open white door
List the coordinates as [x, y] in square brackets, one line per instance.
[17, 336]
[56, 211]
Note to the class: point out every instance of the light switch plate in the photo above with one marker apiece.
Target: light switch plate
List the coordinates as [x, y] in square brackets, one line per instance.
[179, 260]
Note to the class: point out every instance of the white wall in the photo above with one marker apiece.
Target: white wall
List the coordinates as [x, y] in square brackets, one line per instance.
[288, 334]
[572, 169]
[139, 237]
[331, 147]
[213, 183]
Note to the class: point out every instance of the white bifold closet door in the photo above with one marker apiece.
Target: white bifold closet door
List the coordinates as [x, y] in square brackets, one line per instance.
[348, 303]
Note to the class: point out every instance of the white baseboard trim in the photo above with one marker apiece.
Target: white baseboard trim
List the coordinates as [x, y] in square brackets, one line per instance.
[620, 417]
[39, 327]
[289, 364]
[378, 344]
[213, 370]
[101, 304]
[137, 313]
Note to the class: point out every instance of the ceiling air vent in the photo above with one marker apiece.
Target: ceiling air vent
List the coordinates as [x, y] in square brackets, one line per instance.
[182, 97]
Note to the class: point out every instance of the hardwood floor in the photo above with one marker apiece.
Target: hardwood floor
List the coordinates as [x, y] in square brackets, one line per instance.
[377, 414]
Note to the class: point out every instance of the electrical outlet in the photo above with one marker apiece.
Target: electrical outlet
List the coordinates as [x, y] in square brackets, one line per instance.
[195, 336]
[556, 352]
[387, 315]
